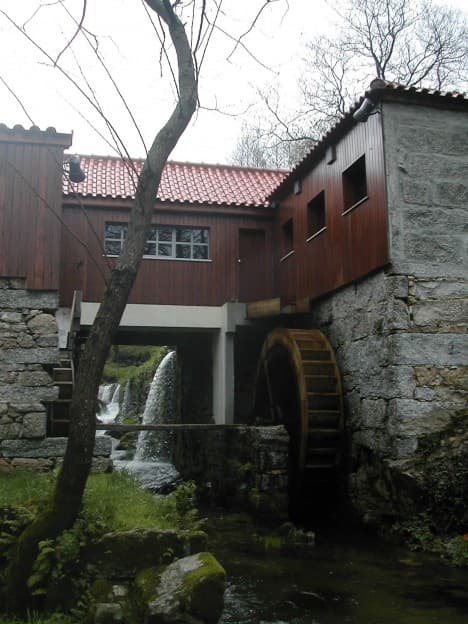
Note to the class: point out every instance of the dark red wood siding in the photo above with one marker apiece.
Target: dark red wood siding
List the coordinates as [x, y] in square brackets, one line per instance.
[30, 205]
[353, 244]
[170, 282]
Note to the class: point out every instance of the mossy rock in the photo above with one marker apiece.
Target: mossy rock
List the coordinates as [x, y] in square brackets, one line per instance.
[121, 554]
[188, 591]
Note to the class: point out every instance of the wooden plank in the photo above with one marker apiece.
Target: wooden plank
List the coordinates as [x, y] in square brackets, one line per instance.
[264, 308]
[166, 427]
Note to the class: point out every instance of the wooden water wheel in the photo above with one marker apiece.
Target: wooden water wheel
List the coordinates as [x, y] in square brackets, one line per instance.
[298, 385]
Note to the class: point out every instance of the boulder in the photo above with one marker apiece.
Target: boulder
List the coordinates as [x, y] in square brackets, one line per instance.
[122, 554]
[188, 591]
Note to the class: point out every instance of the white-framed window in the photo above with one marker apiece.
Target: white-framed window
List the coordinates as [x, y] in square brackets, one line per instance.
[180, 243]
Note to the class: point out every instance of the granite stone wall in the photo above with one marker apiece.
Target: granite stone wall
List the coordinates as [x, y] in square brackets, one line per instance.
[28, 351]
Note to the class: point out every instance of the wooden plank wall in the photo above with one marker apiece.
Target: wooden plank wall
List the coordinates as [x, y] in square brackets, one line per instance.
[352, 245]
[30, 206]
[170, 282]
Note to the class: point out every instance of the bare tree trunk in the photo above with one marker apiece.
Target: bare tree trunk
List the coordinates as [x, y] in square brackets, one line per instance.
[66, 501]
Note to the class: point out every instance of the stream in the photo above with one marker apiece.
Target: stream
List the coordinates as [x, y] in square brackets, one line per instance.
[348, 578]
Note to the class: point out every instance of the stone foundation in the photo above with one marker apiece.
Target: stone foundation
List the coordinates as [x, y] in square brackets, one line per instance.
[404, 368]
[240, 467]
[28, 352]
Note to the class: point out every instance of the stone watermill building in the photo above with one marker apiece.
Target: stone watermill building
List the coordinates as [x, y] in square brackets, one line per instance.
[331, 299]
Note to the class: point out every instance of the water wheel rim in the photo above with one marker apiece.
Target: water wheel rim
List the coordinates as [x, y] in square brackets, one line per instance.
[296, 343]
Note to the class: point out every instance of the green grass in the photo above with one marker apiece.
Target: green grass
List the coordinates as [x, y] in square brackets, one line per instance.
[25, 489]
[117, 500]
[113, 501]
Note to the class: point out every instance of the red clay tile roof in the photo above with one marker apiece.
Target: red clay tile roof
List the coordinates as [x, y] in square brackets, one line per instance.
[181, 182]
[378, 90]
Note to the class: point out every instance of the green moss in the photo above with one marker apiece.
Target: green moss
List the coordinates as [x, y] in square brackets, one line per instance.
[205, 588]
[146, 581]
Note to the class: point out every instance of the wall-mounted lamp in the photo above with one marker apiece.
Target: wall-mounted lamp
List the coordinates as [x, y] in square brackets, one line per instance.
[367, 108]
[75, 172]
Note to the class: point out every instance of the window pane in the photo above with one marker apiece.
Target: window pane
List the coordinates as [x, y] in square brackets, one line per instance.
[112, 248]
[165, 234]
[198, 236]
[200, 252]
[152, 234]
[164, 250]
[183, 251]
[183, 236]
[114, 230]
[150, 249]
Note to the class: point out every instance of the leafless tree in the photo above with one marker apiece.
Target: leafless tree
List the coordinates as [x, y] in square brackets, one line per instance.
[410, 42]
[188, 26]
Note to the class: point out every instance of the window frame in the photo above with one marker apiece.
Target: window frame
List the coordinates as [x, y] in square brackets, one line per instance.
[350, 185]
[317, 203]
[155, 241]
[287, 236]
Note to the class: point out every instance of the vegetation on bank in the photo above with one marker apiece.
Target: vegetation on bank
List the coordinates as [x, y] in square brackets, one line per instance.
[112, 502]
[128, 362]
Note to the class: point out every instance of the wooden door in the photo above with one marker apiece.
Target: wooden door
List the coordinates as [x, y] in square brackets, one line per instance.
[252, 263]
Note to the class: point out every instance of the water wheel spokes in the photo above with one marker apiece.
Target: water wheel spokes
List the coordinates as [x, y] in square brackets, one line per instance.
[298, 384]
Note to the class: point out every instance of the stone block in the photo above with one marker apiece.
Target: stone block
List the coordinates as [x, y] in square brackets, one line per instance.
[103, 446]
[371, 290]
[41, 355]
[34, 378]
[43, 324]
[447, 313]
[38, 299]
[10, 431]
[410, 418]
[373, 413]
[11, 317]
[440, 289]
[417, 191]
[23, 407]
[34, 425]
[435, 249]
[48, 447]
[50, 340]
[452, 193]
[396, 286]
[25, 341]
[437, 350]
[15, 392]
[36, 465]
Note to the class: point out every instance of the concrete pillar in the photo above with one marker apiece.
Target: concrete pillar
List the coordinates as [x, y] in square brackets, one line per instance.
[223, 377]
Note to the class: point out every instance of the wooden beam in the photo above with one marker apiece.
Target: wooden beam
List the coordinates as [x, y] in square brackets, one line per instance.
[165, 427]
[264, 308]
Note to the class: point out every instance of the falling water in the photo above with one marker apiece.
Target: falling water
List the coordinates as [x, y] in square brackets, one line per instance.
[159, 409]
[152, 462]
[108, 397]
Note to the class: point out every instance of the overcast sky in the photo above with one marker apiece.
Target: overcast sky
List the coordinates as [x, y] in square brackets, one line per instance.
[131, 51]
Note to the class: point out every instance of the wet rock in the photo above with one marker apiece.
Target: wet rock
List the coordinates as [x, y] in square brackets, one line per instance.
[108, 613]
[189, 591]
[121, 554]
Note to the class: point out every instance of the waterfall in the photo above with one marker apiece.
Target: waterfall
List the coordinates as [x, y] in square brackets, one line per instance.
[126, 406]
[108, 397]
[151, 464]
[159, 408]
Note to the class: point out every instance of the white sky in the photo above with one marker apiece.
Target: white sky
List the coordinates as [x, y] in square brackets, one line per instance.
[131, 52]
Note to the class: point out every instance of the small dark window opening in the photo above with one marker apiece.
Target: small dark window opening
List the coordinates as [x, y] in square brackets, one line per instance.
[316, 215]
[355, 184]
[287, 237]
